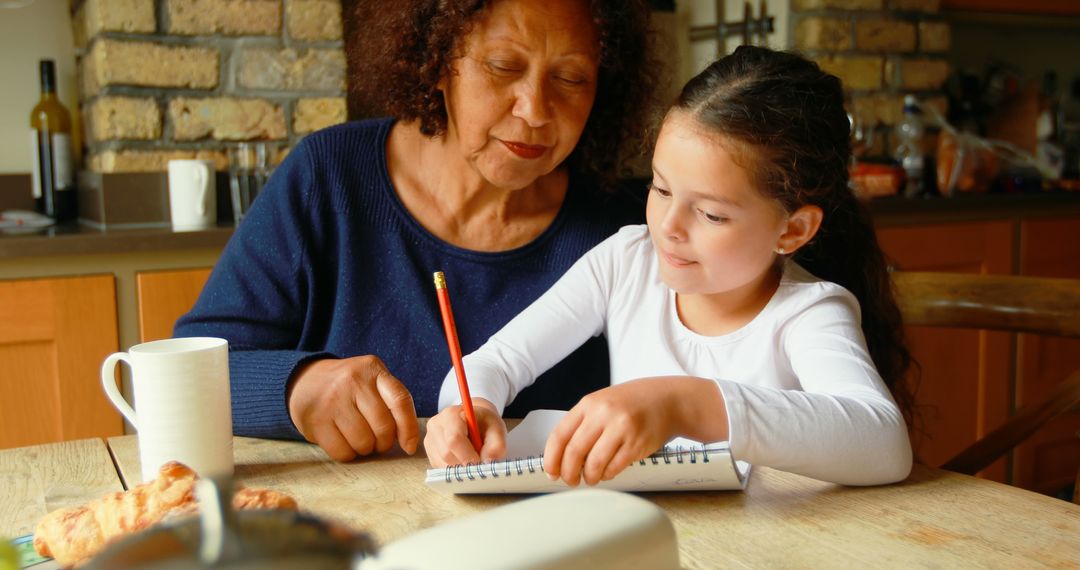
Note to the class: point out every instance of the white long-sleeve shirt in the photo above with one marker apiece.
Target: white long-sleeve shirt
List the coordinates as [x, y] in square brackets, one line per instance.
[801, 390]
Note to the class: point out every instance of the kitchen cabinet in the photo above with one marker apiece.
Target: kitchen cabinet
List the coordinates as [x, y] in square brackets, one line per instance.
[163, 296]
[92, 320]
[1042, 7]
[1047, 462]
[963, 389]
[54, 334]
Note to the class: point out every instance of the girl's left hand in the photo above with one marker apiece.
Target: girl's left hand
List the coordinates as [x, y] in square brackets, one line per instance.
[614, 427]
[608, 430]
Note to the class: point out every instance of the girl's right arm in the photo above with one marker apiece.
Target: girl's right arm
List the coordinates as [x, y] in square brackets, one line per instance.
[561, 320]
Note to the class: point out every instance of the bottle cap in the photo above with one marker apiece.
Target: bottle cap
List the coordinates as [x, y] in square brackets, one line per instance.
[911, 104]
[48, 75]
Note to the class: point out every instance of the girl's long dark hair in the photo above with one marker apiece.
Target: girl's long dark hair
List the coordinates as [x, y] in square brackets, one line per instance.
[786, 119]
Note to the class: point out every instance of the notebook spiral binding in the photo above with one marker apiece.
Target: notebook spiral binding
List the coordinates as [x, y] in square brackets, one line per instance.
[533, 463]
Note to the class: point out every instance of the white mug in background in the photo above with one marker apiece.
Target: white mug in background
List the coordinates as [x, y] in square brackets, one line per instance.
[192, 194]
[181, 388]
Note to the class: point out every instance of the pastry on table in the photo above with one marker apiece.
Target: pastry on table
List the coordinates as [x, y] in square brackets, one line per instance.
[74, 535]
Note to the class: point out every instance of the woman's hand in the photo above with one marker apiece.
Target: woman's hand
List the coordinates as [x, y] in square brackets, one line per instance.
[352, 406]
[447, 440]
[611, 428]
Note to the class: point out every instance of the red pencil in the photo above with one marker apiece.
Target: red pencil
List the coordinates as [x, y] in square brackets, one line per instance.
[455, 357]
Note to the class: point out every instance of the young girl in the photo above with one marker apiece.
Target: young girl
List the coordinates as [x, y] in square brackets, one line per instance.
[755, 306]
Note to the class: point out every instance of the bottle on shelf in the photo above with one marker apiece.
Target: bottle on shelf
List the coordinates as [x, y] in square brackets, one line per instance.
[53, 165]
[909, 148]
[1050, 129]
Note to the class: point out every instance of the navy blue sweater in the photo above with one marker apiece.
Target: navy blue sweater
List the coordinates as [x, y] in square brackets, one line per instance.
[329, 264]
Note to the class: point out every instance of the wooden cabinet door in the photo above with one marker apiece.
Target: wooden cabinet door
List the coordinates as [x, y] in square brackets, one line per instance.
[54, 335]
[963, 391]
[1048, 461]
[163, 296]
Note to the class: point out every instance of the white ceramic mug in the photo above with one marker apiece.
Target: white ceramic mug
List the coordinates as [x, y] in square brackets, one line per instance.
[192, 194]
[181, 388]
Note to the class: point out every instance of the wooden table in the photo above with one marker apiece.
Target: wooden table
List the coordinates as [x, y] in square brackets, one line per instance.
[934, 519]
[38, 479]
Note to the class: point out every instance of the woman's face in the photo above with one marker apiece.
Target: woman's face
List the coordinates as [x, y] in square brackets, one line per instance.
[518, 99]
[712, 230]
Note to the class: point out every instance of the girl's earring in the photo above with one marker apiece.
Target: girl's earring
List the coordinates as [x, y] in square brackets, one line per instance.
[780, 250]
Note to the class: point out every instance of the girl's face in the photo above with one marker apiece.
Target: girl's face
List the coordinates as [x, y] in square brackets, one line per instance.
[518, 99]
[713, 231]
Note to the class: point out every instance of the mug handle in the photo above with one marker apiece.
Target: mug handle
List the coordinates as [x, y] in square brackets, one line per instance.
[108, 379]
[201, 176]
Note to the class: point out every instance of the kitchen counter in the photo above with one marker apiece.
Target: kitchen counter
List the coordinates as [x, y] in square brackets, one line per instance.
[78, 250]
[79, 239]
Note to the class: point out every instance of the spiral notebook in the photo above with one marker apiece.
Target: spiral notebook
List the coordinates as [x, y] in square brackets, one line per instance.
[682, 465]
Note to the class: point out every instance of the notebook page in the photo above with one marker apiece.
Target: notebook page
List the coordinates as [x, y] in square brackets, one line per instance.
[530, 436]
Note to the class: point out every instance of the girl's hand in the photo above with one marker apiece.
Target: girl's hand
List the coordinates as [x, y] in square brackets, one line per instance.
[447, 440]
[613, 427]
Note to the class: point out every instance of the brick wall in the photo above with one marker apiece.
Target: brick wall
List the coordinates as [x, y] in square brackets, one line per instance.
[162, 79]
[882, 50]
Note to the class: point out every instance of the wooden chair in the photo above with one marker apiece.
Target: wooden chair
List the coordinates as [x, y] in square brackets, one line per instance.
[1076, 486]
[1035, 305]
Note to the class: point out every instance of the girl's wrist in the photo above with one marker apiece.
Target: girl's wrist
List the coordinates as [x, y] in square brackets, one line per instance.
[485, 403]
[701, 413]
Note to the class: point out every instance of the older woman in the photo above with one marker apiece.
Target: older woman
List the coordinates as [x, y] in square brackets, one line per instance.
[508, 119]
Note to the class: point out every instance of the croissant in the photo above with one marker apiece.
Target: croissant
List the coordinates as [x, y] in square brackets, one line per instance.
[72, 536]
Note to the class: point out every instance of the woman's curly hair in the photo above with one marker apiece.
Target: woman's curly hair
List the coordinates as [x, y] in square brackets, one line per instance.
[402, 49]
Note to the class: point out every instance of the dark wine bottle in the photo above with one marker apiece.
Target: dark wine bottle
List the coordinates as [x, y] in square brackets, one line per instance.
[53, 168]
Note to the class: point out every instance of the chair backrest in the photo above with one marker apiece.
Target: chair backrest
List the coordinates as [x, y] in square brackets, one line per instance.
[1038, 305]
